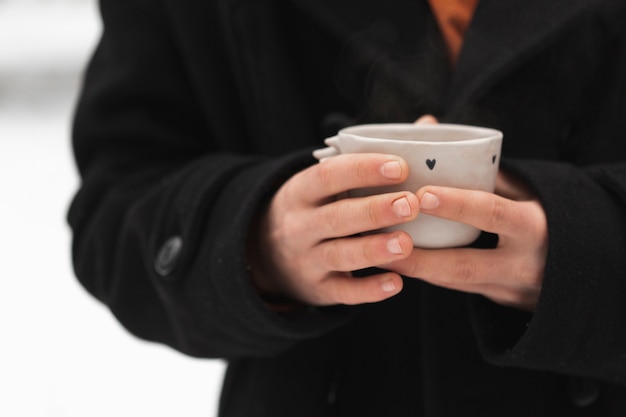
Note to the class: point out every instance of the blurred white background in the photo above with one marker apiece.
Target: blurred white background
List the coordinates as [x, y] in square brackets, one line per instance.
[62, 353]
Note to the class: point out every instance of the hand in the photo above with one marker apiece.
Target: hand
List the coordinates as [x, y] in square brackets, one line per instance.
[512, 273]
[307, 243]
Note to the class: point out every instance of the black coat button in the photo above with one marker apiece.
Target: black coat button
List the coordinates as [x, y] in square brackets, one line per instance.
[168, 256]
[583, 391]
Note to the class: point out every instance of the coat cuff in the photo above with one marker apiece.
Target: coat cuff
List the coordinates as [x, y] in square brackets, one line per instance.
[219, 279]
[581, 302]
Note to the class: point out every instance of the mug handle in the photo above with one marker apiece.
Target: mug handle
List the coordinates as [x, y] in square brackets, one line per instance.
[330, 150]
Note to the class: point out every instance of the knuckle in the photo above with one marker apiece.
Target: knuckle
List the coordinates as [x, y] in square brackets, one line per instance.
[360, 170]
[328, 224]
[325, 174]
[464, 271]
[338, 292]
[460, 208]
[367, 256]
[340, 257]
[364, 169]
[348, 254]
[362, 256]
[346, 296]
[331, 220]
[372, 213]
[351, 258]
[497, 213]
[330, 258]
[288, 229]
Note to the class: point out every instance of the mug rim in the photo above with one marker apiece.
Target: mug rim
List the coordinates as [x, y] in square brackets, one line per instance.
[484, 133]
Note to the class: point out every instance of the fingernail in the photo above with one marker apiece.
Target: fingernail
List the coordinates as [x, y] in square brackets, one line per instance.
[388, 286]
[391, 170]
[401, 207]
[393, 246]
[429, 201]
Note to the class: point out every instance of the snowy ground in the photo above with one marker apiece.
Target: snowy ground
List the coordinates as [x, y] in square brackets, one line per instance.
[61, 353]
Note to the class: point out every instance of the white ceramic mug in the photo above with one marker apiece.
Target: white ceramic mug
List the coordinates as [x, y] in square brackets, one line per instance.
[449, 155]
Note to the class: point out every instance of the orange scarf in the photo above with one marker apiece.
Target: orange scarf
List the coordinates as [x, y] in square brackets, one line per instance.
[453, 17]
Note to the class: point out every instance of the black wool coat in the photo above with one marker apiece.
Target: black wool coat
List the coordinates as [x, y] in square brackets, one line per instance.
[194, 112]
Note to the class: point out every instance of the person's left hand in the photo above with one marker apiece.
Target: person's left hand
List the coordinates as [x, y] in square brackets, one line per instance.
[510, 274]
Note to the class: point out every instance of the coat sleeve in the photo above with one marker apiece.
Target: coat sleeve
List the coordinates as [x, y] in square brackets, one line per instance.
[161, 217]
[578, 326]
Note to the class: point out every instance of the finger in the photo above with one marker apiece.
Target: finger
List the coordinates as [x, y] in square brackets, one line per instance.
[345, 172]
[452, 268]
[359, 252]
[343, 289]
[426, 119]
[483, 210]
[486, 272]
[350, 216]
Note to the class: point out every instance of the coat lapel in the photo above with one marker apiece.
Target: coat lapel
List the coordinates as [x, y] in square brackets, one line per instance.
[394, 45]
[392, 59]
[502, 34]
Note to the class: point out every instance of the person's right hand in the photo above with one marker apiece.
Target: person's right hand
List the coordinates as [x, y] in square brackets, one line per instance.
[308, 241]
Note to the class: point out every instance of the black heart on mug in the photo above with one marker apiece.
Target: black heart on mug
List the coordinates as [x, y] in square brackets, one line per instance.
[431, 163]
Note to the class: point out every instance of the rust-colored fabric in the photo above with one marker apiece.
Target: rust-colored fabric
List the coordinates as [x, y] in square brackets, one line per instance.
[453, 17]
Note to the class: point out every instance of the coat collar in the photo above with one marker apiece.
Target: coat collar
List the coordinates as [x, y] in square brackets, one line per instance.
[489, 52]
[501, 35]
